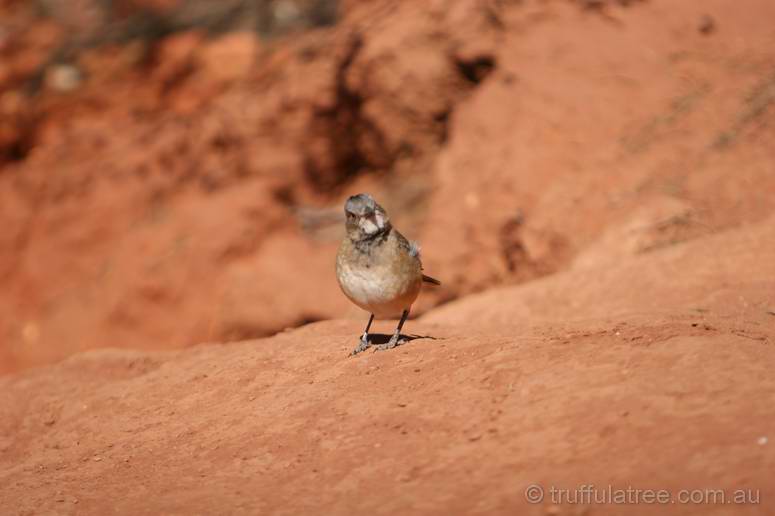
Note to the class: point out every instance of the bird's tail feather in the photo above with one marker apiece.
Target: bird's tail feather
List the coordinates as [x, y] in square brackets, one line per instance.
[428, 279]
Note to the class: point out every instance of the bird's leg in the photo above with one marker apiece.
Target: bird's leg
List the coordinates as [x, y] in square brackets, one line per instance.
[364, 343]
[393, 342]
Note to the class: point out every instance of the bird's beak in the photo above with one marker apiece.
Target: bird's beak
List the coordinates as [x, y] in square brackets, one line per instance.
[371, 223]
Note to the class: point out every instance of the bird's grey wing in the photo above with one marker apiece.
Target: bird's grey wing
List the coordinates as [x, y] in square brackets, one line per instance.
[413, 248]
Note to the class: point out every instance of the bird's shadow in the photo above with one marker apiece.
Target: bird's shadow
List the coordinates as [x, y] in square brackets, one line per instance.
[383, 338]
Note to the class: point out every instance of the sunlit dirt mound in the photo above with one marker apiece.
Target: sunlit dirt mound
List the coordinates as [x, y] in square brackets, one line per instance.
[159, 193]
[577, 380]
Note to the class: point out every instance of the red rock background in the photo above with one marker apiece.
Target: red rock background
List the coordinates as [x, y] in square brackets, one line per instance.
[593, 182]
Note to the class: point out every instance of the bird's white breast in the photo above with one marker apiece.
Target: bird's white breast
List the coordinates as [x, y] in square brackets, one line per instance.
[366, 285]
[375, 290]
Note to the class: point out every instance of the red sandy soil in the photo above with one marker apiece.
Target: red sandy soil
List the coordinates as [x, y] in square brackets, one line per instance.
[593, 182]
[168, 200]
[461, 420]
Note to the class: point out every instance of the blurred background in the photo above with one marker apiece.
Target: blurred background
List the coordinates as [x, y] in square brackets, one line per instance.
[172, 171]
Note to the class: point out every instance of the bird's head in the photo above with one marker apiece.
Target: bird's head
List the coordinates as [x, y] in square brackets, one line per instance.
[364, 217]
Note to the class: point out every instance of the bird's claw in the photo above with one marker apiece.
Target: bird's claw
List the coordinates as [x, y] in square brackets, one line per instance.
[362, 346]
[393, 342]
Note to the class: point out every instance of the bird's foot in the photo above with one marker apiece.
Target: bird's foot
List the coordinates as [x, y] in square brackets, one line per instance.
[362, 346]
[394, 341]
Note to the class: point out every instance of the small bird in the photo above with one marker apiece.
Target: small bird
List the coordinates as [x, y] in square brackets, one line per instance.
[378, 269]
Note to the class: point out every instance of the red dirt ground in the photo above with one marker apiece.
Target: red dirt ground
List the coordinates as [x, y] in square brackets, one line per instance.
[593, 181]
[461, 420]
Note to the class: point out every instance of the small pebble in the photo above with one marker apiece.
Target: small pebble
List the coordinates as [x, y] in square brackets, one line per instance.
[63, 77]
[707, 25]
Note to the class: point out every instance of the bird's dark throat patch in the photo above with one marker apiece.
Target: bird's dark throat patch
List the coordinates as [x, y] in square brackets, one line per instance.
[366, 243]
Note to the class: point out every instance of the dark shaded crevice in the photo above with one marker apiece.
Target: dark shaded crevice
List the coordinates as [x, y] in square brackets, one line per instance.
[477, 69]
[351, 143]
[513, 250]
[600, 5]
[442, 121]
[284, 195]
[473, 71]
[18, 149]
[323, 13]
